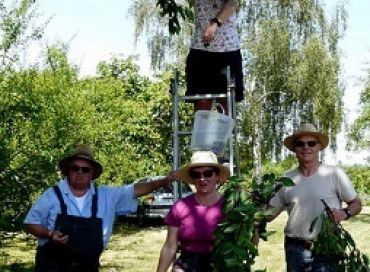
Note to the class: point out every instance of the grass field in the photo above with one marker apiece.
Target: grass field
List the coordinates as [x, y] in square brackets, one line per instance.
[134, 249]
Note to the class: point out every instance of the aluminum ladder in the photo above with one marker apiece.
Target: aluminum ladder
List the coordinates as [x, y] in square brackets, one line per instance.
[233, 147]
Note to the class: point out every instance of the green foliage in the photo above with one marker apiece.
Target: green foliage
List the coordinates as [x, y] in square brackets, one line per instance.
[279, 167]
[360, 130]
[244, 206]
[159, 20]
[173, 9]
[360, 177]
[333, 240]
[35, 124]
[16, 30]
[125, 117]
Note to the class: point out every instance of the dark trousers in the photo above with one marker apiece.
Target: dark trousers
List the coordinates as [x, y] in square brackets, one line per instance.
[299, 258]
[47, 263]
[194, 262]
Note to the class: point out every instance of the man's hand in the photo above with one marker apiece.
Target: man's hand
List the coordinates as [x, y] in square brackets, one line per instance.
[144, 188]
[58, 238]
[171, 177]
[339, 215]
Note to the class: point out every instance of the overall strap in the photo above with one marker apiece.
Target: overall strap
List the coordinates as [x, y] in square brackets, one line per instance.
[94, 206]
[63, 205]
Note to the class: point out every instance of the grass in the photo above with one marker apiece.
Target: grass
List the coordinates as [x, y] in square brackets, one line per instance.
[134, 249]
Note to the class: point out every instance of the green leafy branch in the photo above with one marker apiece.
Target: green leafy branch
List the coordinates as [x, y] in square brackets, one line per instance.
[174, 10]
[246, 214]
[333, 240]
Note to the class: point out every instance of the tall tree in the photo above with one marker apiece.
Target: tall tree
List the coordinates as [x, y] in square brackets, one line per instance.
[292, 64]
[360, 131]
[291, 68]
[154, 18]
[17, 30]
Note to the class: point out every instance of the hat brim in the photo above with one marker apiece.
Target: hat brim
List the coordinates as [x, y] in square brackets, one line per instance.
[323, 139]
[183, 172]
[64, 165]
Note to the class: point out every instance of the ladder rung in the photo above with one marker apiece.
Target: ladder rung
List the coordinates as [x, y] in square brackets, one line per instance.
[202, 96]
[184, 133]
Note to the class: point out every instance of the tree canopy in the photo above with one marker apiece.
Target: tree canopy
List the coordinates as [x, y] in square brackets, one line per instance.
[360, 132]
[291, 66]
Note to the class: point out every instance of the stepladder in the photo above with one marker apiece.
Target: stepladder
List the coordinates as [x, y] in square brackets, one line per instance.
[231, 153]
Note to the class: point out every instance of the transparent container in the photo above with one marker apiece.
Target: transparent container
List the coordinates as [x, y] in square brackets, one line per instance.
[211, 131]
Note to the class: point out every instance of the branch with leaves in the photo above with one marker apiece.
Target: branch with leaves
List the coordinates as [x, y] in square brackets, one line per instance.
[245, 215]
[333, 240]
[175, 11]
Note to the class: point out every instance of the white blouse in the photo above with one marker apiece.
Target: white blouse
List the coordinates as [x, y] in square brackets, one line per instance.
[226, 37]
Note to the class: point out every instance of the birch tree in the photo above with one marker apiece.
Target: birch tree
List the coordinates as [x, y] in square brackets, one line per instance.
[291, 68]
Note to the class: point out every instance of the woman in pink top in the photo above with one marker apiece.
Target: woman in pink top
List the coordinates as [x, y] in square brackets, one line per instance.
[193, 220]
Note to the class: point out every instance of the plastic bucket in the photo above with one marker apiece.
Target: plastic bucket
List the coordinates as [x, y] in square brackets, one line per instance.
[211, 131]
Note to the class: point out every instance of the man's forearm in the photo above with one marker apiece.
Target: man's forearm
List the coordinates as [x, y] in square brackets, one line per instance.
[145, 188]
[38, 231]
[354, 206]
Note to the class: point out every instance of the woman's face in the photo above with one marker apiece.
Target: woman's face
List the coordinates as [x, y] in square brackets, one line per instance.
[205, 179]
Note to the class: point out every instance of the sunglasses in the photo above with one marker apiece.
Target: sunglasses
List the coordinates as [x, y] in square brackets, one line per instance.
[303, 143]
[206, 174]
[84, 169]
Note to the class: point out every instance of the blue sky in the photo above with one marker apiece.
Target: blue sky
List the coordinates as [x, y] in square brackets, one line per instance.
[99, 28]
[96, 28]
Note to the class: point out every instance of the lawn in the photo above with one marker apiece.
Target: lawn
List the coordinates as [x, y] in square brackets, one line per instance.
[135, 249]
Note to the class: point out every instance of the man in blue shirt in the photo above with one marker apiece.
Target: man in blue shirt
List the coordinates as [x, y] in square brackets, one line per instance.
[73, 220]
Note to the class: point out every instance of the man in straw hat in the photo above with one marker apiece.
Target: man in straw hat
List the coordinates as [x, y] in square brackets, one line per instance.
[192, 220]
[313, 181]
[74, 219]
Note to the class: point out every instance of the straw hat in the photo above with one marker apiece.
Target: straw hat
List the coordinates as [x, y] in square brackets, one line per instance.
[306, 129]
[203, 158]
[81, 152]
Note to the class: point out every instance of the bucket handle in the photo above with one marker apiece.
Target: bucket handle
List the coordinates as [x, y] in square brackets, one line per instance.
[216, 105]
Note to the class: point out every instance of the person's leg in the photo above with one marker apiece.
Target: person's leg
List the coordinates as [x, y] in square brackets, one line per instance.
[43, 262]
[92, 266]
[237, 74]
[323, 264]
[298, 259]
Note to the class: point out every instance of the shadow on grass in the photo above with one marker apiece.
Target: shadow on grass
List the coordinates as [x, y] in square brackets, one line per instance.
[362, 218]
[129, 225]
[17, 267]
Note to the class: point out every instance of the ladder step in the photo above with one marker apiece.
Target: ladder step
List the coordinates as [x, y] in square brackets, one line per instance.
[184, 133]
[202, 96]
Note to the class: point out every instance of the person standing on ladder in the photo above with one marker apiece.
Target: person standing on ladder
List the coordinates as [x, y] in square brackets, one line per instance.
[214, 46]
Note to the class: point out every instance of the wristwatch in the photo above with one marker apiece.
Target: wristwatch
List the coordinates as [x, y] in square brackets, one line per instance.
[348, 213]
[216, 21]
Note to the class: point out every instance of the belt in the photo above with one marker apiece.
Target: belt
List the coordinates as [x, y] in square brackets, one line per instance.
[307, 244]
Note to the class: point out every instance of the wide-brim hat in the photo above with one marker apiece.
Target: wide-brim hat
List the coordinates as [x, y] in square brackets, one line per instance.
[81, 152]
[203, 158]
[306, 129]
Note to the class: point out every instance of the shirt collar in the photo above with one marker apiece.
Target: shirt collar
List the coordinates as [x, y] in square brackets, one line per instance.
[64, 187]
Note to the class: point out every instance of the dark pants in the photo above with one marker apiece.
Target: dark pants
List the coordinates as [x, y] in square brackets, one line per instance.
[194, 262]
[204, 72]
[48, 263]
[299, 258]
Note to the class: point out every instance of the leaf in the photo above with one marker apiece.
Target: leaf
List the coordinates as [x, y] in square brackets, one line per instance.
[231, 228]
[286, 181]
